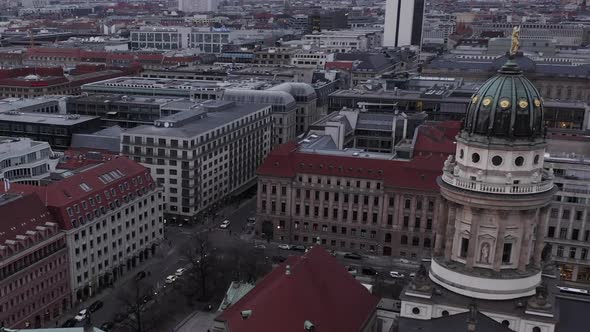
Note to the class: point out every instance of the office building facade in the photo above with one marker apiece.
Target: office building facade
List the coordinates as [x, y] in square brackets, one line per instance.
[403, 23]
[23, 160]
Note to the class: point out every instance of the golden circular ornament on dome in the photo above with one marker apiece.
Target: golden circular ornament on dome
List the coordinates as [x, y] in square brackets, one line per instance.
[537, 103]
[474, 99]
[487, 101]
[523, 104]
[504, 103]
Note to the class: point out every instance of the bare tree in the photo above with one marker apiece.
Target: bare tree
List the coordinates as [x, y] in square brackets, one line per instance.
[137, 296]
[200, 253]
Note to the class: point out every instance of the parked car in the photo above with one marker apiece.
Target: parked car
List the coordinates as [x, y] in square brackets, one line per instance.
[351, 255]
[180, 271]
[170, 279]
[352, 270]
[224, 224]
[69, 323]
[284, 246]
[81, 315]
[413, 275]
[405, 261]
[396, 275]
[259, 246]
[251, 220]
[107, 326]
[369, 271]
[298, 248]
[95, 306]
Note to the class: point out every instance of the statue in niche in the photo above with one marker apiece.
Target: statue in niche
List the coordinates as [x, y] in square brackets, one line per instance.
[508, 178]
[484, 255]
[456, 170]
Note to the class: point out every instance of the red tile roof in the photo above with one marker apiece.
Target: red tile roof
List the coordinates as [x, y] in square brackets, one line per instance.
[22, 214]
[63, 195]
[433, 146]
[318, 289]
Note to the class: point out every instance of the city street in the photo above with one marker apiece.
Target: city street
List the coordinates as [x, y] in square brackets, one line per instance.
[170, 257]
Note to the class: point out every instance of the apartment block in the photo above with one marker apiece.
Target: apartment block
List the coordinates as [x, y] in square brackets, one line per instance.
[203, 156]
[112, 214]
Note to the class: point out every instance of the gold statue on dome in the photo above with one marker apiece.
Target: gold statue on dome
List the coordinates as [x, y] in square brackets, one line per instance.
[515, 40]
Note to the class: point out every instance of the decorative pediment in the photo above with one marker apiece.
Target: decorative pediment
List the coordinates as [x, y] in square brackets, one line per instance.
[486, 237]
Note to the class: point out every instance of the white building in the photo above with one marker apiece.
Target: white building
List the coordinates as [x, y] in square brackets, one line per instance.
[346, 40]
[489, 252]
[403, 22]
[23, 160]
[198, 6]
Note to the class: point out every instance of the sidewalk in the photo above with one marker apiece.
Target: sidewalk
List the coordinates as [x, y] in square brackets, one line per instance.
[77, 306]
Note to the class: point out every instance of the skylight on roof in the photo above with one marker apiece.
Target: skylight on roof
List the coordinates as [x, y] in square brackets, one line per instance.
[85, 187]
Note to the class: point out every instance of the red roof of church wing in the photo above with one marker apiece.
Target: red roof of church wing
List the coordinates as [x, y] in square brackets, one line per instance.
[63, 194]
[21, 215]
[318, 289]
[433, 145]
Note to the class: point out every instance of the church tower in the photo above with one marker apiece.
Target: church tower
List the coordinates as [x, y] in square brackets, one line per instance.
[489, 241]
[496, 194]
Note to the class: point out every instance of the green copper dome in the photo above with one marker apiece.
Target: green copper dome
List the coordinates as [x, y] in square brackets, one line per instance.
[507, 105]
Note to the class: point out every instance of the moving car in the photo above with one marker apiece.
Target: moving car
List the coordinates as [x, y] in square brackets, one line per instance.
[224, 224]
[180, 271]
[413, 275]
[369, 271]
[95, 306]
[284, 246]
[396, 275]
[170, 279]
[351, 255]
[81, 315]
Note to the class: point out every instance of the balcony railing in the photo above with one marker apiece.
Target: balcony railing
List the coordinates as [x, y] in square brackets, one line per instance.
[497, 188]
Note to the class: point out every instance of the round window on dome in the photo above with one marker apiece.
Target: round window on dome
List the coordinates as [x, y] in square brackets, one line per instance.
[497, 160]
[475, 157]
[444, 313]
[519, 161]
[505, 103]
[505, 323]
[415, 311]
[536, 160]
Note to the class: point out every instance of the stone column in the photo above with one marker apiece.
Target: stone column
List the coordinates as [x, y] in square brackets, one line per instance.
[473, 234]
[501, 221]
[450, 232]
[540, 239]
[441, 227]
[525, 240]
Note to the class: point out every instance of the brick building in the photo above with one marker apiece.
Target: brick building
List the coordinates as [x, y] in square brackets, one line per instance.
[358, 201]
[34, 277]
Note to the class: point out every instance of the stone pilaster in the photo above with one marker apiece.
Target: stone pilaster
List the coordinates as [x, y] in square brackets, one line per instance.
[540, 239]
[523, 256]
[501, 215]
[473, 233]
[450, 234]
[443, 212]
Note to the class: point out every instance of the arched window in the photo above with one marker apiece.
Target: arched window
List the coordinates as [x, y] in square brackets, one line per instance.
[404, 239]
[387, 237]
[426, 243]
[415, 241]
